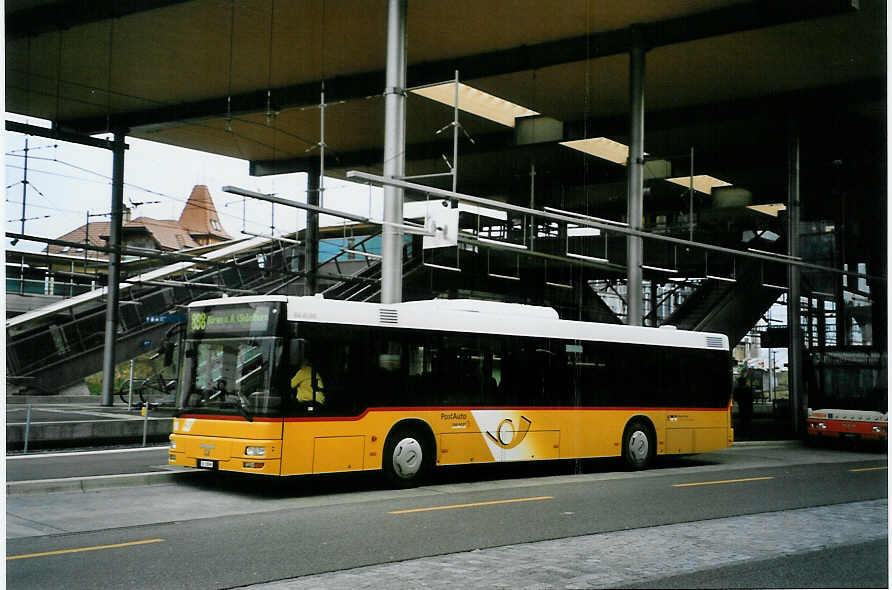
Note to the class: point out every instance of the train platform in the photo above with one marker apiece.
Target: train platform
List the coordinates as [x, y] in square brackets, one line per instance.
[60, 422]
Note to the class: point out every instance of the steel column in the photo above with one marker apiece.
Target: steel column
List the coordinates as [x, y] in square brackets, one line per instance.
[394, 152]
[24, 186]
[114, 269]
[311, 235]
[635, 192]
[797, 400]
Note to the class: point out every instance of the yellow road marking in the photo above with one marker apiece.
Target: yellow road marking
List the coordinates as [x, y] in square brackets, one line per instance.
[709, 483]
[868, 469]
[96, 548]
[450, 507]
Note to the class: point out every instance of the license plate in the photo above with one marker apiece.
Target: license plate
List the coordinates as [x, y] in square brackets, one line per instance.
[207, 464]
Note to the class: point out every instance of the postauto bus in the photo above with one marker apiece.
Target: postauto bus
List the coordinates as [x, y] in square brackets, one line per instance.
[301, 385]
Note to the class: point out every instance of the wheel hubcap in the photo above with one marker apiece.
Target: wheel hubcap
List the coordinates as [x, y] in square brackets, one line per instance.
[638, 446]
[407, 458]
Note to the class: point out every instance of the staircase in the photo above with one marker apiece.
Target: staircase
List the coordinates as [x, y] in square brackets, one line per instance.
[730, 308]
[60, 344]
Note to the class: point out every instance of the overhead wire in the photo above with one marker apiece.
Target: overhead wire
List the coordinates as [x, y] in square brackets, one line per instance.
[110, 93]
[108, 179]
[47, 207]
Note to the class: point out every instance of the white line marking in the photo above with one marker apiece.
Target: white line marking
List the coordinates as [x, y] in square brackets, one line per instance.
[81, 453]
[84, 412]
[128, 419]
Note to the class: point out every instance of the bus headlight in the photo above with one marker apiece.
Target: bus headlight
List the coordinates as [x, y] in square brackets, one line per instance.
[173, 444]
[820, 425]
[255, 451]
[879, 429]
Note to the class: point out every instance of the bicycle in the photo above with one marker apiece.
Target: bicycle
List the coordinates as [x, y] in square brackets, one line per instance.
[155, 389]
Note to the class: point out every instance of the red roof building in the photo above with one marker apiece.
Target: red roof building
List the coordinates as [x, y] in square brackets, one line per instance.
[198, 225]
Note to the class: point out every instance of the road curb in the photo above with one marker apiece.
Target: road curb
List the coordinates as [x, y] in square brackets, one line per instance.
[95, 482]
[99, 482]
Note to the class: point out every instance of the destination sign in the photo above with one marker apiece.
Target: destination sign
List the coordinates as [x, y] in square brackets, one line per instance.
[251, 320]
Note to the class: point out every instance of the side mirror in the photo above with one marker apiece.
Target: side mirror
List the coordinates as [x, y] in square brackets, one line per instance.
[296, 348]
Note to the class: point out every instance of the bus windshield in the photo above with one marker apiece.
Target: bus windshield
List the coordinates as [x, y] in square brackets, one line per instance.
[231, 376]
[851, 380]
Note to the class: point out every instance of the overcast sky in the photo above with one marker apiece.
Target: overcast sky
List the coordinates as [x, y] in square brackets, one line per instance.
[65, 181]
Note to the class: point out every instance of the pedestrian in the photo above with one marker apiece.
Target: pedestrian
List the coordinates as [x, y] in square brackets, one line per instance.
[743, 394]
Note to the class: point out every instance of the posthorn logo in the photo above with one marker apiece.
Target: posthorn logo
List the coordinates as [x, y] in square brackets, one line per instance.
[507, 436]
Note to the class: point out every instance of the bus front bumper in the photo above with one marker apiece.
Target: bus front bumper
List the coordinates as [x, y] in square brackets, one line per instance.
[226, 454]
[820, 428]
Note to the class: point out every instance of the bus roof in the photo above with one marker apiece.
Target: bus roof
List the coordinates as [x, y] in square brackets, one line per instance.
[476, 316]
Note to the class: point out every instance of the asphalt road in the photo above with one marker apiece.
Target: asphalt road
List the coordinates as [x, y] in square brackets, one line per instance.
[214, 531]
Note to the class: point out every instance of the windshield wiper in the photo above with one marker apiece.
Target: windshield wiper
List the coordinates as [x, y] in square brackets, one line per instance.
[242, 406]
[219, 391]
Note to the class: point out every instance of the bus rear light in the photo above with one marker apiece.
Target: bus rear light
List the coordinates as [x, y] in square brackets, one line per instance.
[255, 451]
[252, 464]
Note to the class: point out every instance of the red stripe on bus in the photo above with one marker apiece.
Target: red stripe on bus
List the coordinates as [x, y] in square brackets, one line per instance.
[449, 409]
[232, 418]
[499, 408]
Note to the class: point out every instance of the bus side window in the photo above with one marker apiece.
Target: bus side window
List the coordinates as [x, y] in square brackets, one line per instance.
[491, 367]
[559, 376]
[390, 373]
[470, 373]
[595, 369]
[527, 375]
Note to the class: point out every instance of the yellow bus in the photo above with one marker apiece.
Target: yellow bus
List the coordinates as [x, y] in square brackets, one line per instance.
[302, 385]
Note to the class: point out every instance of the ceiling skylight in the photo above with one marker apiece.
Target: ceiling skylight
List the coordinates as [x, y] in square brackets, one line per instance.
[772, 209]
[601, 147]
[476, 102]
[702, 182]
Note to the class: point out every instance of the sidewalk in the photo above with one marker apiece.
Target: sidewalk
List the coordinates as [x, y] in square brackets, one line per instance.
[627, 558]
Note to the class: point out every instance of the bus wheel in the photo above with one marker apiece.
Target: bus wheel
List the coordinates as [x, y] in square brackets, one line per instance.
[639, 446]
[407, 458]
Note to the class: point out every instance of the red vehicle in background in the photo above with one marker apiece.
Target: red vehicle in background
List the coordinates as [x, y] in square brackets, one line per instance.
[851, 400]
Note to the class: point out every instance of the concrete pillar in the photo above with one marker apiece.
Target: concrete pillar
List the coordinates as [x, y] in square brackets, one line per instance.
[114, 270]
[394, 152]
[635, 192]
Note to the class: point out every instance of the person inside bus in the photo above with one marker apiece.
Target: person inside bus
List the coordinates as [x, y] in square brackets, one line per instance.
[305, 386]
[743, 395]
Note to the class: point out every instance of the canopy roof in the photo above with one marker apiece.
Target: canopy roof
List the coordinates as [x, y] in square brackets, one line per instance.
[184, 72]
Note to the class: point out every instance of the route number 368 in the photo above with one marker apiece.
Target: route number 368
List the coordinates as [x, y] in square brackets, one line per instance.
[199, 321]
